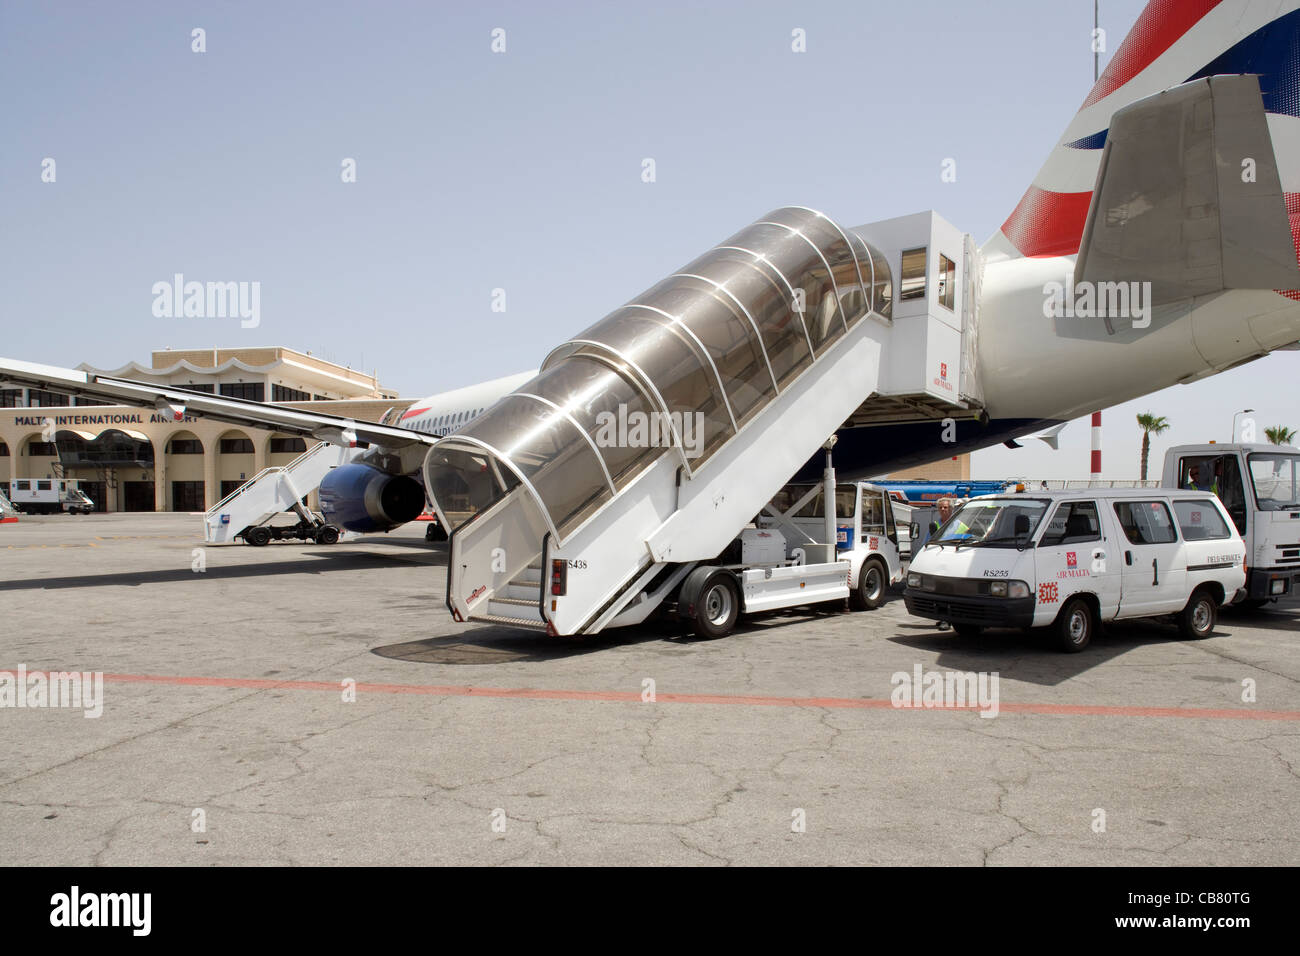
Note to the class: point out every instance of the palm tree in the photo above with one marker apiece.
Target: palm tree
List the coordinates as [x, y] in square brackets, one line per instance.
[1279, 434]
[1150, 425]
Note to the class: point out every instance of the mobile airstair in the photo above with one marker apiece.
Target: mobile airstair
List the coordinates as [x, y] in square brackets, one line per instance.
[273, 491]
[646, 443]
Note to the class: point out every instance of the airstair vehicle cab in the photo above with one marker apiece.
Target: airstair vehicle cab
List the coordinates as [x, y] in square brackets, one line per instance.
[649, 442]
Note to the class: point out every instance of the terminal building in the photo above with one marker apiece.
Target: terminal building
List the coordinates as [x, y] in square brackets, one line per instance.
[128, 458]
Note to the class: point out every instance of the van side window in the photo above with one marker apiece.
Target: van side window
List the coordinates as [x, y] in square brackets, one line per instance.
[1073, 521]
[43, 486]
[1200, 520]
[1146, 522]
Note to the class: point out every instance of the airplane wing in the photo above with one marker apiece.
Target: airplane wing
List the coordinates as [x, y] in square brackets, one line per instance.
[177, 402]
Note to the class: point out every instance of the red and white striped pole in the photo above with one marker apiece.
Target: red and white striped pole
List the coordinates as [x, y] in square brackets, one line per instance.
[1096, 446]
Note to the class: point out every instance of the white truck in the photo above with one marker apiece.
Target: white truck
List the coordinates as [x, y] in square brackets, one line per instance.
[1259, 486]
[1069, 560]
[36, 496]
[783, 561]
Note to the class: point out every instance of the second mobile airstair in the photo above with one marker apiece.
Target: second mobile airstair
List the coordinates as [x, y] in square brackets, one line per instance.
[648, 441]
[273, 491]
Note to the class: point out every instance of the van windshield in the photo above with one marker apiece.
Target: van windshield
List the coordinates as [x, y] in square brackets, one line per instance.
[1275, 479]
[991, 522]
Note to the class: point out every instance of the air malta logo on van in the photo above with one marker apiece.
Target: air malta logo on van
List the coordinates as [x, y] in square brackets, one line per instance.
[1072, 569]
[942, 380]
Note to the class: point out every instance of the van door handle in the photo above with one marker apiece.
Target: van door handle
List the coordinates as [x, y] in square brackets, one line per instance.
[1128, 557]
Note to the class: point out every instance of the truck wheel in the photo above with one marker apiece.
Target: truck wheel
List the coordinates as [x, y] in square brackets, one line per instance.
[870, 592]
[435, 532]
[328, 534]
[258, 537]
[718, 606]
[1197, 620]
[1074, 625]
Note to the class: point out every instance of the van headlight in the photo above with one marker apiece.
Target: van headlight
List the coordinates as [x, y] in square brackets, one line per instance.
[913, 579]
[1009, 589]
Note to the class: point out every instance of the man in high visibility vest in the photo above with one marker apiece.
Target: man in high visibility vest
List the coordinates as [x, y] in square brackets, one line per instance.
[1194, 482]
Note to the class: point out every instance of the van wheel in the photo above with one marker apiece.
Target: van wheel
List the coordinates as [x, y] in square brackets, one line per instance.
[718, 606]
[258, 536]
[870, 592]
[1074, 625]
[967, 630]
[1197, 620]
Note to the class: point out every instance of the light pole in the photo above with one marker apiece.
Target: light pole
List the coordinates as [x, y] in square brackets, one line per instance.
[1244, 411]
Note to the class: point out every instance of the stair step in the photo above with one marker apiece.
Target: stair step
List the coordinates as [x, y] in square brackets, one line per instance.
[518, 602]
[535, 623]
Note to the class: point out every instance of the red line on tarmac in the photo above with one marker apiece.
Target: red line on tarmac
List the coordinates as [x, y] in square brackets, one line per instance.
[838, 703]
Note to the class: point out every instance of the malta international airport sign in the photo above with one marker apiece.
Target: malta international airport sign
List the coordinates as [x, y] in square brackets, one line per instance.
[122, 418]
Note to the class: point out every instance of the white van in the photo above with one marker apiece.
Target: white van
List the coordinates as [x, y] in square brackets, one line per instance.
[1072, 559]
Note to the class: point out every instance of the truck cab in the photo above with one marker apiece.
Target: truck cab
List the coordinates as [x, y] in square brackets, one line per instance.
[1259, 486]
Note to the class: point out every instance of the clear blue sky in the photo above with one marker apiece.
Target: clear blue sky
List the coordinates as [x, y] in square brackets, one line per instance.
[519, 171]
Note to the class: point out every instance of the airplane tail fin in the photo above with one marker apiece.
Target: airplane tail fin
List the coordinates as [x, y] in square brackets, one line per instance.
[1173, 41]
